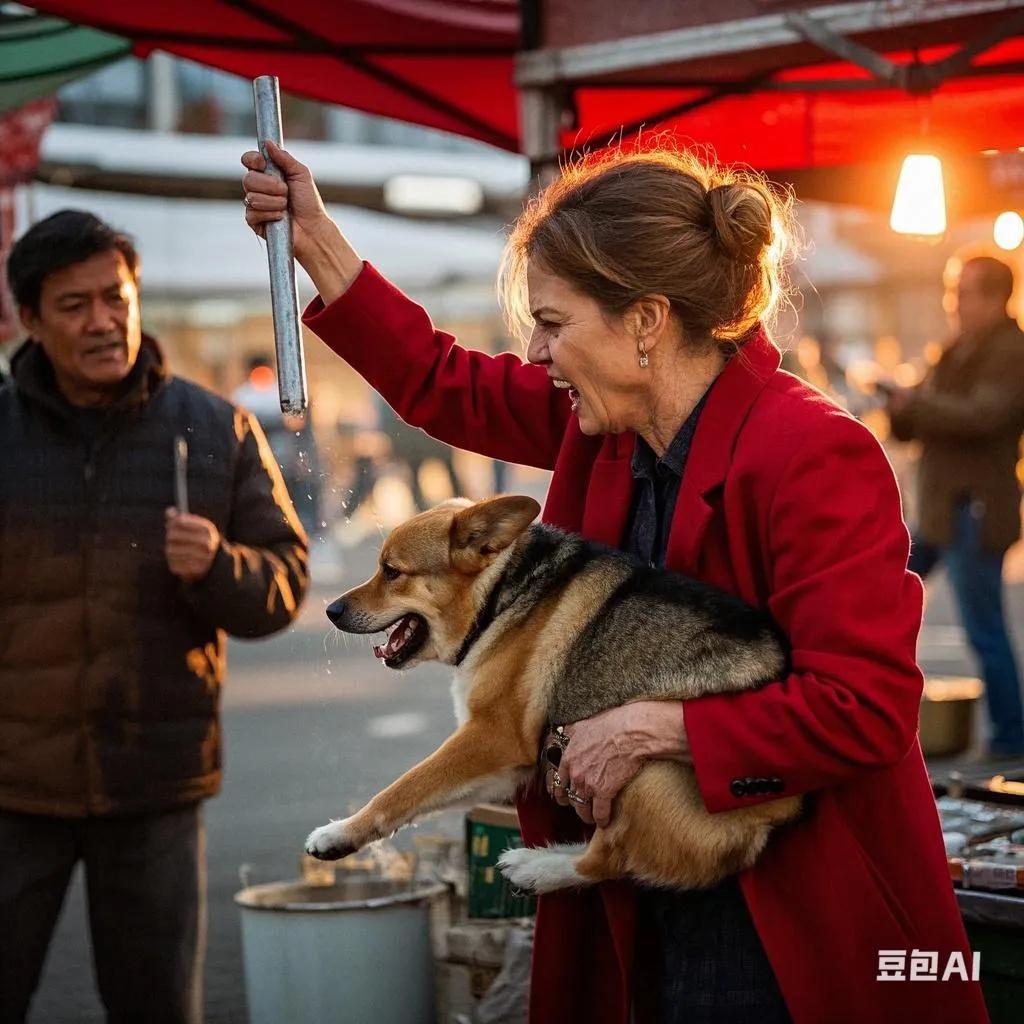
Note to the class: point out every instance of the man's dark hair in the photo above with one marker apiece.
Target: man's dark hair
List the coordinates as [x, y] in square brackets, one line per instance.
[995, 276]
[61, 240]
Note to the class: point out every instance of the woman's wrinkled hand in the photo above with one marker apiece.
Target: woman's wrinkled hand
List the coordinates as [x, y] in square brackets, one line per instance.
[606, 751]
[319, 245]
[267, 198]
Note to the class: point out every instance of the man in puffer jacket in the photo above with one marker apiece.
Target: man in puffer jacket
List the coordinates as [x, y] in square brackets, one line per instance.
[113, 613]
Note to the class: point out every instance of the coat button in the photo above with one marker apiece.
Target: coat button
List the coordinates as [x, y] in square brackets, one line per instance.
[738, 787]
[776, 785]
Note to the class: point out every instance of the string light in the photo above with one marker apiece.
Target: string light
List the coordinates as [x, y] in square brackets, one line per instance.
[919, 207]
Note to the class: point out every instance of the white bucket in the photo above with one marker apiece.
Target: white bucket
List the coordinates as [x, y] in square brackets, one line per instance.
[357, 952]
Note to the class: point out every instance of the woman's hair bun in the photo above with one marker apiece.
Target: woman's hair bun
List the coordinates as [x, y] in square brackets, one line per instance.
[741, 219]
[618, 224]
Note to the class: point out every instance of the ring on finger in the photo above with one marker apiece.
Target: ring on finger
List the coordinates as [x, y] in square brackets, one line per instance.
[248, 200]
[575, 797]
[556, 780]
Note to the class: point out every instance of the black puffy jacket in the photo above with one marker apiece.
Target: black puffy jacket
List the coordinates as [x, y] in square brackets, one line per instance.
[111, 667]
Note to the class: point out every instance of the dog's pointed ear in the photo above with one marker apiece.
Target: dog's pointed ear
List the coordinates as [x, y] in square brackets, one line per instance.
[479, 532]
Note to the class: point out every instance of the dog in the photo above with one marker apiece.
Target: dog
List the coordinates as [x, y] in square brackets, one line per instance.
[545, 628]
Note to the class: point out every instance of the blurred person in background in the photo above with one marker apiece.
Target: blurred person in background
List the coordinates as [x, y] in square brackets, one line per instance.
[968, 414]
[413, 447]
[113, 608]
[291, 439]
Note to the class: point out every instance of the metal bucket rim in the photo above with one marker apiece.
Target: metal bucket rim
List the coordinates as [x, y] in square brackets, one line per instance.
[416, 893]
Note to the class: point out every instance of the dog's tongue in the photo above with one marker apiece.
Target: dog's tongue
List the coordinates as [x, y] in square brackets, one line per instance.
[404, 629]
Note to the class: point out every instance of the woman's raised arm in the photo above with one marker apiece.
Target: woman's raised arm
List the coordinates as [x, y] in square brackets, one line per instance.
[494, 405]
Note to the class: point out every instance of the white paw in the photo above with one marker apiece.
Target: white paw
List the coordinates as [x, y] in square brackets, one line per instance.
[331, 842]
[542, 870]
[515, 866]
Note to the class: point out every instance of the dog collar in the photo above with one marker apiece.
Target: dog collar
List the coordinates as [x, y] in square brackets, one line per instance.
[531, 569]
[483, 619]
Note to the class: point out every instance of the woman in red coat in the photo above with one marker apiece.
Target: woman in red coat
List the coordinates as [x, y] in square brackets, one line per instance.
[655, 396]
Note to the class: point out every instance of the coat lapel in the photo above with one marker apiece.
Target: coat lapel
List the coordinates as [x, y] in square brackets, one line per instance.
[600, 509]
[610, 492]
[731, 399]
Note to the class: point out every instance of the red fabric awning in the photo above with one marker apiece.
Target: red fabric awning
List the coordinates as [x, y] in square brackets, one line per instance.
[807, 127]
[449, 64]
[445, 64]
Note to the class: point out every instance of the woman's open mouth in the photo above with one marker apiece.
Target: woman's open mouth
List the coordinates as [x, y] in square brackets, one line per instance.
[574, 395]
[406, 638]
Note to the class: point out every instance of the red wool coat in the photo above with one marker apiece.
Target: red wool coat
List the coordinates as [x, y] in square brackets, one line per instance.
[789, 503]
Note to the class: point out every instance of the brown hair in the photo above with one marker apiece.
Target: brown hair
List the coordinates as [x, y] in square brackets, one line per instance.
[617, 226]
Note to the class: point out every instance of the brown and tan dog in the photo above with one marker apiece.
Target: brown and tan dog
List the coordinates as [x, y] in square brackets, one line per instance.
[545, 628]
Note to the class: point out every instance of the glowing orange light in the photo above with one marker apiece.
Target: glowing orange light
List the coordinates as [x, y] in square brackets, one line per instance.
[262, 378]
[919, 207]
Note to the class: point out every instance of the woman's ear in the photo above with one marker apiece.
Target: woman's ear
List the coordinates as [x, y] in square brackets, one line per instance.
[648, 319]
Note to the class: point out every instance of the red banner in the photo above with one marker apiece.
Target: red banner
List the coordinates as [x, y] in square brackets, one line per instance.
[8, 314]
[21, 133]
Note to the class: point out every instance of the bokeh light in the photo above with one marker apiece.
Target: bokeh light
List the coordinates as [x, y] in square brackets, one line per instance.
[1008, 231]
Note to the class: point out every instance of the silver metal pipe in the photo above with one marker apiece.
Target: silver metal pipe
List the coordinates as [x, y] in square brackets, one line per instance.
[291, 359]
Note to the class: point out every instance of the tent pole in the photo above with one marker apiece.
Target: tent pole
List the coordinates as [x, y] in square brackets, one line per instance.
[540, 114]
[540, 109]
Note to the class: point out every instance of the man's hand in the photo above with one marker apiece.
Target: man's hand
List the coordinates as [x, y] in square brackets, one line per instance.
[606, 751]
[191, 545]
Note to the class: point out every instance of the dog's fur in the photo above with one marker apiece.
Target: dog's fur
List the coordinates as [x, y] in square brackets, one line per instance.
[546, 628]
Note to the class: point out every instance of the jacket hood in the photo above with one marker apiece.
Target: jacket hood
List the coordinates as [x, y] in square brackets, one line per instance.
[33, 375]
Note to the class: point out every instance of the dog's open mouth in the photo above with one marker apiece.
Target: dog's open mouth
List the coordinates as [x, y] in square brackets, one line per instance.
[407, 636]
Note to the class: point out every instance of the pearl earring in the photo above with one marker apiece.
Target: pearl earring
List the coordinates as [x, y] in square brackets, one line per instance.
[643, 355]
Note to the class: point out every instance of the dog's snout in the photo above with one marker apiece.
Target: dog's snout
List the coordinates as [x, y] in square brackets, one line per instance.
[336, 611]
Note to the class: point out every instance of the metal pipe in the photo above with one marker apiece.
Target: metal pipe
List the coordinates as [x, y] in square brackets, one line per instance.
[291, 360]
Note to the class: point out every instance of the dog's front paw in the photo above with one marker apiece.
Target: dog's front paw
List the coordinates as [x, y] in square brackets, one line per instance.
[331, 842]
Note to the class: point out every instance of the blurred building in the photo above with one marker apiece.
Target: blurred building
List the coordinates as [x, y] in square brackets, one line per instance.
[153, 147]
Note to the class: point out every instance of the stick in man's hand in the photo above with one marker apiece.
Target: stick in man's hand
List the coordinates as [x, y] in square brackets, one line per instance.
[181, 475]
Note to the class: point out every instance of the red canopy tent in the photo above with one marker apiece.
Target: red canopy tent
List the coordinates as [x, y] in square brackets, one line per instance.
[788, 87]
[442, 63]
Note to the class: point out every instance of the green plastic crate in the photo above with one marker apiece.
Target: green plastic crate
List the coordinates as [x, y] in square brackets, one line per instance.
[490, 830]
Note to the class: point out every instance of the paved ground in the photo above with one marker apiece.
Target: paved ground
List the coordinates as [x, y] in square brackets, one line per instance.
[313, 725]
